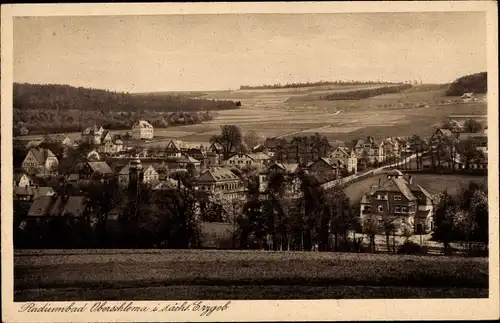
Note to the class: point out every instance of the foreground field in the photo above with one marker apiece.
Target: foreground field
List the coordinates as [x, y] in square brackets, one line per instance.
[176, 274]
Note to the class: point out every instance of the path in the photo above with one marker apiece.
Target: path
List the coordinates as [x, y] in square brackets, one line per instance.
[348, 179]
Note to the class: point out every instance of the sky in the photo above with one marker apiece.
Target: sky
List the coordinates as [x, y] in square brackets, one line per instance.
[219, 52]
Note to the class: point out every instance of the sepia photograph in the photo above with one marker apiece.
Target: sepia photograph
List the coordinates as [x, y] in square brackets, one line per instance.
[250, 156]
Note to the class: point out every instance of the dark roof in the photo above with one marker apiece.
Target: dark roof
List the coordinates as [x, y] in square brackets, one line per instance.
[73, 206]
[100, 167]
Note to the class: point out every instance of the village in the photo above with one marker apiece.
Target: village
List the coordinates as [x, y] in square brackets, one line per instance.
[50, 181]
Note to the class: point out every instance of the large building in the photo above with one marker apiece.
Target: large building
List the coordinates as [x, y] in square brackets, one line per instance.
[398, 200]
[142, 130]
[221, 180]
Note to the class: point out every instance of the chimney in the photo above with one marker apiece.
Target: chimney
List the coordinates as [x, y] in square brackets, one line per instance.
[379, 180]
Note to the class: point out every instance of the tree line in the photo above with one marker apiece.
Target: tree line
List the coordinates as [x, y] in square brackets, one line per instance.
[477, 83]
[365, 93]
[308, 84]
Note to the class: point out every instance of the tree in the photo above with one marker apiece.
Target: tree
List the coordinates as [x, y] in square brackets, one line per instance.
[444, 220]
[468, 150]
[230, 138]
[104, 197]
[252, 139]
[370, 226]
[472, 125]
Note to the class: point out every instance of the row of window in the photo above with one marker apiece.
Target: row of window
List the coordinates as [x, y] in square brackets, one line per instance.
[396, 197]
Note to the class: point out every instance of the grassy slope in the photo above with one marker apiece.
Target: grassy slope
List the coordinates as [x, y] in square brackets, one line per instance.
[227, 268]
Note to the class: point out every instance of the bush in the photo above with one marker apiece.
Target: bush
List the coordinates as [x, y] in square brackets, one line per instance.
[411, 248]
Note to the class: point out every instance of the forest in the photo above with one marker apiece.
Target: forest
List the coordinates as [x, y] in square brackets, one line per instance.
[365, 93]
[477, 83]
[63, 108]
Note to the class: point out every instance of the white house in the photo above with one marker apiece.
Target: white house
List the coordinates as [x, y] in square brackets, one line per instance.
[142, 130]
[468, 97]
[151, 175]
[340, 156]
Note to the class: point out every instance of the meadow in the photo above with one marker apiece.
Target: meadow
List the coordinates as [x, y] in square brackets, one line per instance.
[245, 274]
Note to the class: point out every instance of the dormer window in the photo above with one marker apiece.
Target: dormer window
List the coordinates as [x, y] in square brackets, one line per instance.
[397, 197]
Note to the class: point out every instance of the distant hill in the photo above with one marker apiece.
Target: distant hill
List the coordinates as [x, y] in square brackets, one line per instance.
[477, 83]
[66, 97]
[62, 108]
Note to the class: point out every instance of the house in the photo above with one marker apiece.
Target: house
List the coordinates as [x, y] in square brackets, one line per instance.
[30, 193]
[220, 180]
[95, 169]
[212, 159]
[63, 140]
[142, 130]
[22, 180]
[216, 148]
[347, 160]
[399, 201]
[59, 206]
[174, 149]
[468, 97]
[324, 169]
[257, 160]
[371, 149]
[392, 147]
[93, 135]
[112, 146]
[151, 175]
[40, 161]
[93, 155]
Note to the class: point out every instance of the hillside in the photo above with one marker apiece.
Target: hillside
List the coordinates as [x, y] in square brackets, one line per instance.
[65, 97]
[477, 83]
[63, 108]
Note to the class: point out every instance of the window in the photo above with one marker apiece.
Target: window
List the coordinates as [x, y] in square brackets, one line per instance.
[397, 197]
[381, 208]
[381, 197]
[404, 209]
[397, 209]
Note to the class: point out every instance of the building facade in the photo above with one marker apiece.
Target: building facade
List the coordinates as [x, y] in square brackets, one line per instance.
[142, 130]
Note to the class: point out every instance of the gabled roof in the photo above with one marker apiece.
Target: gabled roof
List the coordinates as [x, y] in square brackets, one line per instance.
[142, 124]
[216, 174]
[343, 150]
[325, 160]
[396, 185]
[41, 154]
[41, 206]
[290, 167]
[100, 167]
[73, 206]
[176, 144]
[258, 156]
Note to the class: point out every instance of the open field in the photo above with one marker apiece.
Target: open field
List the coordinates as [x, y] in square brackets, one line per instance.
[175, 274]
[433, 183]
